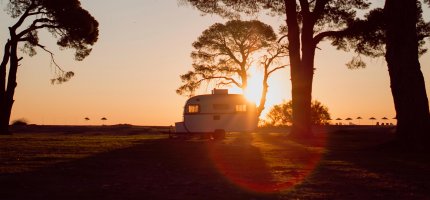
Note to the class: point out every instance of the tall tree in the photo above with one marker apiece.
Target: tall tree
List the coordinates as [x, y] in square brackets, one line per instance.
[397, 32]
[307, 24]
[66, 20]
[224, 53]
[402, 17]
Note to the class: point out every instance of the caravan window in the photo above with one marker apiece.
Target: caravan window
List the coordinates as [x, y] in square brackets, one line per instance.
[220, 106]
[241, 108]
[194, 108]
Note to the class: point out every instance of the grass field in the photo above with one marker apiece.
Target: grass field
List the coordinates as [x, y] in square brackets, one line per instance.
[128, 162]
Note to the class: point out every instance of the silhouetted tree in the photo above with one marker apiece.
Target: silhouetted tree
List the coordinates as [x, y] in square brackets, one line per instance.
[273, 55]
[282, 114]
[307, 24]
[404, 36]
[397, 32]
[66, 20]
[224, 53]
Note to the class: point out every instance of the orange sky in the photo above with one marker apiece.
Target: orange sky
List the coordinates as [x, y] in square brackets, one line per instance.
[133, 72]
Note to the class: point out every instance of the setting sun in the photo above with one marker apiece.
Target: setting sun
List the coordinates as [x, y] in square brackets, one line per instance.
[219, 99]
[253, 92]
[145, 63]
[278, 88]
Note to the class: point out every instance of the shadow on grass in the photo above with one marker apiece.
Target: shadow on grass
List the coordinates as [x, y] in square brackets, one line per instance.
[152, 169]
[244, 166]
[356, 167]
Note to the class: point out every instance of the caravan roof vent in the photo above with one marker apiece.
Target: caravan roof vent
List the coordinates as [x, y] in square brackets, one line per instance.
[220, 91]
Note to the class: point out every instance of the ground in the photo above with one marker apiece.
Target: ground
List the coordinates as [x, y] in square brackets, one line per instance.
[129, 162]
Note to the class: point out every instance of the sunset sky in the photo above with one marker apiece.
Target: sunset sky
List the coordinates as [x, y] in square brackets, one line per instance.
[133, 71]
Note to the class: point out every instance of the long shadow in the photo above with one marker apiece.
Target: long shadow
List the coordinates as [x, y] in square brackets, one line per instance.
[243, 164]
[355, 168]
[152, 169]
[294, 161]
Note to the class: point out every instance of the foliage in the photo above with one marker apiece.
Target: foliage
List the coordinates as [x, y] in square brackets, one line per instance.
[20, 122]
[367, 36]
[66, 20]
[336, 20]
[225, 52]
[282, 114]
[72, 26]
[225, 8]
[325, 16]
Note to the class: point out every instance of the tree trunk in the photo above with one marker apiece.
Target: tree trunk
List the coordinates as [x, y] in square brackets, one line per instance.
[4, 120]
[407, 81]
[5, 109]
[301, 69]
[7, 101]
[264, 91]
[301, 82]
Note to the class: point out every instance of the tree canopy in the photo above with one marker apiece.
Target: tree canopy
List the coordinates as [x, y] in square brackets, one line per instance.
[66, 20]
[367, 36]
[225, 52]
[72, 26]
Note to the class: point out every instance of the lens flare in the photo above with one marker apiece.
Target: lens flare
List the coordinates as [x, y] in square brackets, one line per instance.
[265, 162]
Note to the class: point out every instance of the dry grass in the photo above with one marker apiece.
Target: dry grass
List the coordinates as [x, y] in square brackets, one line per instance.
[126, 162]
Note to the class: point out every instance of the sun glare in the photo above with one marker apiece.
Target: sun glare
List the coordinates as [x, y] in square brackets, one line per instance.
[278, 88]
[276, 93]
[255, 86]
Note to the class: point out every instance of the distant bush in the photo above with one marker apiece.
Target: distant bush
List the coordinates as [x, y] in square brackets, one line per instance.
[282, 114]
[20, 122]
[123, 125]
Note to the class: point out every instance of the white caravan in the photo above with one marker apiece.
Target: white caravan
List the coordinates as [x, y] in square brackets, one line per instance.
[218, 113]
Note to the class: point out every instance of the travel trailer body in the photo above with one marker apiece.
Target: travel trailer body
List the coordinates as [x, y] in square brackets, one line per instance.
[218, 112]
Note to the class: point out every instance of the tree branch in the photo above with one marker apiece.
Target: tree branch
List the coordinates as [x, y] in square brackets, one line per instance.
[221, 77]
[225, 83]
[39, 11]
[32, 28]
[322, 35]
[276, 68]
[232, 55]
[23, 17]
[52, 57]
[42, 20]
[281, 38]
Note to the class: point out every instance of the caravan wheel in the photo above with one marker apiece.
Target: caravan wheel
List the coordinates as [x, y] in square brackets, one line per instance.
[219, 134]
